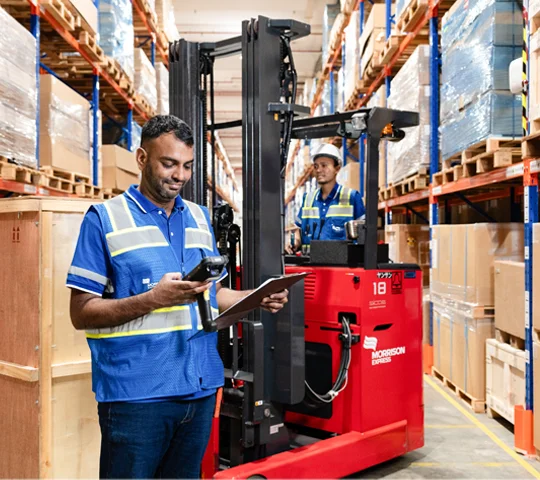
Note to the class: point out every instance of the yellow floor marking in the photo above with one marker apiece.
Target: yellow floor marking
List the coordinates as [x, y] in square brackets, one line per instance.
[482, 427]
[450, 426]
[476, 464]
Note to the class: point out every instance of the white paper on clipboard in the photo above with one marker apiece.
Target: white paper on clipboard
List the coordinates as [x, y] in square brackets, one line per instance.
[252, 301]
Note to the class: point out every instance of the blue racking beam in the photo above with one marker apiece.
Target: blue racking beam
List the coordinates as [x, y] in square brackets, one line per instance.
[130, 129]
[153, 52]
[434, 64]
[95, 122]
[36, 32]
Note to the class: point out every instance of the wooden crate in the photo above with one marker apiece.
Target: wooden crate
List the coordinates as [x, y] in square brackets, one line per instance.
[505, 379]
[49, 420]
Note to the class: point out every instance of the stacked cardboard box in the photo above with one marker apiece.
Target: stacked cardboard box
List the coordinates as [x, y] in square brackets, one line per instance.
[331, 12]
[409, 244]
[120, 168]
[18, 93]
[116, 36]
[87, 12]
[162, 81]
[411, 91]
[145, 78]
[510, 298]
[462, 286]
[373, 38]
[479, 40]
[65, 127]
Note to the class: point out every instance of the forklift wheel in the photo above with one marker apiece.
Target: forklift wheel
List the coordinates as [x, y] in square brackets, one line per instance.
[256, 477]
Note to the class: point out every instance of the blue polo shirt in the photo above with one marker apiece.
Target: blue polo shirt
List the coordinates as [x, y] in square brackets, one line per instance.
[332, 199]
[93, 257]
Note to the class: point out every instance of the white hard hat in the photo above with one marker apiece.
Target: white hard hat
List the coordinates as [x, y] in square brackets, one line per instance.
[327, 150]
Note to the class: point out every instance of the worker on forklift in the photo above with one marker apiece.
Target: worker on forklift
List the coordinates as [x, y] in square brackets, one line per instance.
[156, 390]
[325, 211]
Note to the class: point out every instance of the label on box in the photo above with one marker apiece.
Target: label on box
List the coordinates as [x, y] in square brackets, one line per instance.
[433, 244]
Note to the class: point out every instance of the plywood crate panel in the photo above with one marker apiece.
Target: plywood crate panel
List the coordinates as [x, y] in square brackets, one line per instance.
[49, 420]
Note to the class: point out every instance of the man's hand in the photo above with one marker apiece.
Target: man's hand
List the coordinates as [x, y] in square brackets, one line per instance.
[172, 290]
[274, 303]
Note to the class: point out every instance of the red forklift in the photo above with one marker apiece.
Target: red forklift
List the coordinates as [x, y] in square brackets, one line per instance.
[332, 384]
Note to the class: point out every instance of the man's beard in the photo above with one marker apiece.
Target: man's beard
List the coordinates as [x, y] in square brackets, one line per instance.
[158, 187]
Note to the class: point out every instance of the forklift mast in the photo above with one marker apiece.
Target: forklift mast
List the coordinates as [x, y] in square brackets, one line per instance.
[265, 362]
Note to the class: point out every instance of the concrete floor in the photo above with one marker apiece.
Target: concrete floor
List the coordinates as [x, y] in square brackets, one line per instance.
[458, 447]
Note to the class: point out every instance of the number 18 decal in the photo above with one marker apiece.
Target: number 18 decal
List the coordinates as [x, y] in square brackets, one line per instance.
[379, 288]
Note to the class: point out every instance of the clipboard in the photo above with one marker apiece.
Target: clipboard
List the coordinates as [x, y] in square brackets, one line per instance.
[241, 309]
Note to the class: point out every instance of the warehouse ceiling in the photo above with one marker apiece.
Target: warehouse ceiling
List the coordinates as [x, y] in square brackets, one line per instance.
[214, 20]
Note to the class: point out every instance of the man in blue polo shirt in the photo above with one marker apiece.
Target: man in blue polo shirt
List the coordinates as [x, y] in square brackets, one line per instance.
[155, 389]
[325, 211]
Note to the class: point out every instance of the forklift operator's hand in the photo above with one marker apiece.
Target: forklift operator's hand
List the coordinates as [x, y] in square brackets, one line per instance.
[274, 303]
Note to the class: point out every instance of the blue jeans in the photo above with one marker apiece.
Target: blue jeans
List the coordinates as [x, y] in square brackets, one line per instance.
[154, 440]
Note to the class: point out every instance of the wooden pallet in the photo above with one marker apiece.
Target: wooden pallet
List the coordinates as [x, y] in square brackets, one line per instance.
[113, 68]
[448, 175]
[89, 44]
[86, 190]
[412, 15]
[509, 339]
[73, 177]
[485, 162]
[59, 11]
[477, 405]
[530, 146]
[391, 47]
[144, 105]
[419, 181]
[109, 193]
[488, 145]
[14, 172]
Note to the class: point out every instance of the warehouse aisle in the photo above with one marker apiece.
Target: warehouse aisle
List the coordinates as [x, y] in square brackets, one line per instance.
[456, 446]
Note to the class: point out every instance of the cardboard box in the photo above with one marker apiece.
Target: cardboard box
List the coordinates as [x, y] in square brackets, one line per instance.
[63, 111]
[459, 346]
[464, 255]
[349, 176]
[536, 277]
[510, 297]
[88, 13]
[120, 169]
[374, 44]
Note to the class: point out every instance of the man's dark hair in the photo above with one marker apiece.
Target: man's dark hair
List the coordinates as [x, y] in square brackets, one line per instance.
[161, 124]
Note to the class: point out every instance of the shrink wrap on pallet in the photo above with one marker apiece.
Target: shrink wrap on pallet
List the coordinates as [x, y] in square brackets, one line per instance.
[116, 36]
[496, 114]
[18, 93]
[479, 40]
[331, 12]
[411, 92]
[351, 62]
[145, 78]
[166, 19]
[162, 80]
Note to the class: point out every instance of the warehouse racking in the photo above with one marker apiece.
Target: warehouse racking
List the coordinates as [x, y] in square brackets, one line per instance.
[514, 174]
[97, 78]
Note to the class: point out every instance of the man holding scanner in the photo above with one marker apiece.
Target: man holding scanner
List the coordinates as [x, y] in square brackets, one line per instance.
[155, 388]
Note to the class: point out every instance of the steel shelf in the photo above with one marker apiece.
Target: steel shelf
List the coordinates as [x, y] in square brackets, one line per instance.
[152, 32]
[405, 199]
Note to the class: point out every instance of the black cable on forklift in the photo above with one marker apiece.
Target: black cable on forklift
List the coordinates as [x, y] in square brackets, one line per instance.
[341, 381]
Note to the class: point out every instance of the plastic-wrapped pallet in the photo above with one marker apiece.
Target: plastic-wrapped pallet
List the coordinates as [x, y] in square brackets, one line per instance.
[340, 105]
[496, 114]
[327, 102]
[162, 80]
[479, 40]
[331, 11]
[411, 91]
[18, 93]
[145, 78]
[116, 36]
[351, 62]
[166, 19]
